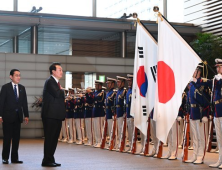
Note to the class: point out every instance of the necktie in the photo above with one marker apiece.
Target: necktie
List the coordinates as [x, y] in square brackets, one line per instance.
[15, 91]
[59, 85]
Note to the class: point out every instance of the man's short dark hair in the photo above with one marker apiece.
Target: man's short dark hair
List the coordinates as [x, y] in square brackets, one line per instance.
[13, 71]
[53, 67]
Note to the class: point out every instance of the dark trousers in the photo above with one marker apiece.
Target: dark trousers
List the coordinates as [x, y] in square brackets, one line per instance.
[52, 129]
[11, 132]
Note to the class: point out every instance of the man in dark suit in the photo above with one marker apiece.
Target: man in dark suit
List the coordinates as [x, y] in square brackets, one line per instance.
[53, 113]
[13, 104]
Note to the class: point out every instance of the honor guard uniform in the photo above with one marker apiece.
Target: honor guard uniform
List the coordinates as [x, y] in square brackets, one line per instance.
[98, 112]
[198, 115]
[154, 138]
[172, 141]
[64, 129]
[70, 116]
[110, 105]
[120, 107]
[89, 99]
[79, 118]
[217, 101]
[130, 119]
[63, 133]
[181, 120]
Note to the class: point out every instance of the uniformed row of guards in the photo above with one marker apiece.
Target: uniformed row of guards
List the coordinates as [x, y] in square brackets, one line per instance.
[99, 117]
[86, 113]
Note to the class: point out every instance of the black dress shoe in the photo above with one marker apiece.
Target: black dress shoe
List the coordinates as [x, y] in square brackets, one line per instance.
[49, 164]
[57, 164]
[4, 161]
[17, 162]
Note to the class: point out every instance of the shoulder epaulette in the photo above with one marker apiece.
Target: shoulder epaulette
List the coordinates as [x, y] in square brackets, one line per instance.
[204, 79]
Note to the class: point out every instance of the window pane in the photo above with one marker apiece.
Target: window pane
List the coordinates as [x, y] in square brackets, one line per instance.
[6, 5]
[175, 10]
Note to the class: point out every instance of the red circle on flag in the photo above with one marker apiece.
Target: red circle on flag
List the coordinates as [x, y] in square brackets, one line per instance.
[166, 82]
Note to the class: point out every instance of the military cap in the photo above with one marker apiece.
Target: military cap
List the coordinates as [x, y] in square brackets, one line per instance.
[129, 76]
[121, 78]
[98, 82]
[71, 89]
[110, 79]
[89, 88]
[218, 62]
[200, 66]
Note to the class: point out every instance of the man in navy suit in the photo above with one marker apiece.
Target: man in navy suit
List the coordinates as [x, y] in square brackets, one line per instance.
[13, 104]
[53, 113]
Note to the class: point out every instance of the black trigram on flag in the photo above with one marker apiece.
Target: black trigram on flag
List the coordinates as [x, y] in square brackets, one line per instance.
[153, 71]
[140, 52]
[144, 110]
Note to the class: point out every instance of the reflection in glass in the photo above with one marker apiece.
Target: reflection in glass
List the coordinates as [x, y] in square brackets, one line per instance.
[24, 42]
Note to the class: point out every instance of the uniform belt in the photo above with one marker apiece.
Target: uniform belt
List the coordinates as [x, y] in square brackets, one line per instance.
[118, 106]
[218, 101]
[88, 105]
[127, 105]
[89, 108]
[97, 106]
[194, 105]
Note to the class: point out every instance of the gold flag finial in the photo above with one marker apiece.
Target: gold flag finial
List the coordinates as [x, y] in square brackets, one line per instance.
[135, 15]
[157, 13]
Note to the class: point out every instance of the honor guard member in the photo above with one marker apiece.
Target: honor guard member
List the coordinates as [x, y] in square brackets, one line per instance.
[70, 116]
[89, 100]
[154, 139]
[188, 107]
[61, 135]
[217, 101]
[130, 119]
[198, 115]
[120, 107]
[79, 118]
[180, 119]
[110, 105]
[103, 118]
[172, 142]
[98, 112]
[64, 129]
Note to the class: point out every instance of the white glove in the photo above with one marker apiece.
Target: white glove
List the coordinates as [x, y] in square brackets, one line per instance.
[204, 119]
[179, 118]
[193, 79]
[218, 76]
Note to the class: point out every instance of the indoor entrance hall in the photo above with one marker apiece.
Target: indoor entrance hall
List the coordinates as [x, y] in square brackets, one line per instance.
[73, 156]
